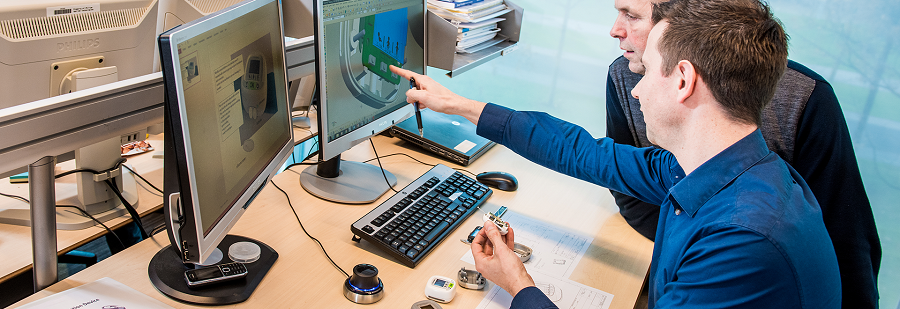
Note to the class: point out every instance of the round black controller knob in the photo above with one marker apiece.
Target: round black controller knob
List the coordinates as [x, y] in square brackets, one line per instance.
[364, 287]
[365, 276]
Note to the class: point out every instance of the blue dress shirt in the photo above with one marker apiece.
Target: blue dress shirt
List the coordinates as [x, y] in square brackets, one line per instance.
[741, 231]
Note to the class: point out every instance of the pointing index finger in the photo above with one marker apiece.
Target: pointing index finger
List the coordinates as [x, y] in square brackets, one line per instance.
[407, 74]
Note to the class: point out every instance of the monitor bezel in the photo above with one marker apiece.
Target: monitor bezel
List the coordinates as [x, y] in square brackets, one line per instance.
[191, 229]
[331, 149]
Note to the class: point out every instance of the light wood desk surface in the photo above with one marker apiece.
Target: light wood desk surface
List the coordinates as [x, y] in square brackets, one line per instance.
[15, 241]
[616, 262]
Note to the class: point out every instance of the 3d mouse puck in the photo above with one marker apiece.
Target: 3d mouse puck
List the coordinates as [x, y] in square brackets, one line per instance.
[364, 286]
[244, 252]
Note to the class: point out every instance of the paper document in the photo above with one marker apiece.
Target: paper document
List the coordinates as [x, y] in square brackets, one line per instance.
[563, 293]
[481, 23]
[103, 293]
[555, 252]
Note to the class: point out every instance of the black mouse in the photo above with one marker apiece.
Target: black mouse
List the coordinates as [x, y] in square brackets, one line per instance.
[499, 180]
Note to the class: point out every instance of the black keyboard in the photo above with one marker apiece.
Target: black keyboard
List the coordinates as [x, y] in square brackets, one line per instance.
[410, 224]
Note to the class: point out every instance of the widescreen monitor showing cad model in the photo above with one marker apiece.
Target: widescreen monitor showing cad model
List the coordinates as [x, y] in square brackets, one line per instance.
[356, 43]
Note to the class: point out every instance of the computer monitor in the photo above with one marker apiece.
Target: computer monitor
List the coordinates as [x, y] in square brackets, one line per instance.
[297, 21]
[54, 47]
[46, 42]
[356, 42]
[228, 129]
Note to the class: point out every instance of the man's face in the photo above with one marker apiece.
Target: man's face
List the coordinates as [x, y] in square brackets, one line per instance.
[657, 92]
[631, 28]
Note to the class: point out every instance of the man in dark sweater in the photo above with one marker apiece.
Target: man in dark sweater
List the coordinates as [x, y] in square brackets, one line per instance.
[803, 124]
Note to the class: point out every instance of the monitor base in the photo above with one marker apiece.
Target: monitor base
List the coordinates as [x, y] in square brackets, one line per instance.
[166, 272]
[358, 183]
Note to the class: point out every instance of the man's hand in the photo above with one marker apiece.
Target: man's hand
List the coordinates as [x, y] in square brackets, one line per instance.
[496, 261]
[438, 98]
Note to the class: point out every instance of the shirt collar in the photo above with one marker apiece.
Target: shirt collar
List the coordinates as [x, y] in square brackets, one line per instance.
[697, 188]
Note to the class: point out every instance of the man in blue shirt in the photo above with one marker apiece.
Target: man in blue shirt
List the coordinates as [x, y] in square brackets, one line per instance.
[803, 124]
[738, 227]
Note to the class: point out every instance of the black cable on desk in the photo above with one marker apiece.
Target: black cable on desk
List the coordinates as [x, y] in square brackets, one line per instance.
[87, 170]
[382, 168]
[134, 215]
[142, 178]
[414, 159]
[307, 233]
[86, 214]
[112, 186]
[83, 213]
[16, 197]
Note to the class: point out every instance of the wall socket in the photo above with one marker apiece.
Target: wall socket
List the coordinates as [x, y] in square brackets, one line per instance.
[134, 136]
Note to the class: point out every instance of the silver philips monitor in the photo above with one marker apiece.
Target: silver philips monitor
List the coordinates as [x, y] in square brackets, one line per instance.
[356, 43]
[228, 130]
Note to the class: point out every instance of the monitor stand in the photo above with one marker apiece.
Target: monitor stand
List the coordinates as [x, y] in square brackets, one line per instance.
[346, 182]
[166, 272]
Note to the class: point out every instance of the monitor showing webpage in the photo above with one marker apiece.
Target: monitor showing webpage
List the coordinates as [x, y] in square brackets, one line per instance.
[232, 78]
[362, 39]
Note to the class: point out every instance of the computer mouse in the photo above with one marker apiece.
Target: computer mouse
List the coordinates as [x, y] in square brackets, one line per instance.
[499, 180]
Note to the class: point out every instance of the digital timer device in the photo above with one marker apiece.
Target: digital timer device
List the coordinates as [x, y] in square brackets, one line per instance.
[440, 289]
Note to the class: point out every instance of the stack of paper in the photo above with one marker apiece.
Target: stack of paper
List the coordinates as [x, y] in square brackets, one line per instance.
[476, 21]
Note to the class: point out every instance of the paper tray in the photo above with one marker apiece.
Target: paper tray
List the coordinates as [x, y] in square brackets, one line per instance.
[442, 42]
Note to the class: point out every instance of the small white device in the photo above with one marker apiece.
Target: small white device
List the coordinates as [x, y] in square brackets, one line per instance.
[502, 225]
[440, 289]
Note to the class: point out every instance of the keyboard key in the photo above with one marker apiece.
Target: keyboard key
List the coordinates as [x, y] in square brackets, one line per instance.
[437, 231]
[368, 229]
[412, 253]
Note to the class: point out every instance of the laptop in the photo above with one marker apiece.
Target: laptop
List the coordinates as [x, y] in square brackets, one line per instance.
[450, 136]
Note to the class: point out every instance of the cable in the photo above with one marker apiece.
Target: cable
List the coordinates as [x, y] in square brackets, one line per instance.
[417, 160]
[16, 197]
[157, 229]
[134, 215]
[112, 186]
[87, 170]
[311, 149]
[84, 213]
[307, 233]
[142, 178]
[382, 168]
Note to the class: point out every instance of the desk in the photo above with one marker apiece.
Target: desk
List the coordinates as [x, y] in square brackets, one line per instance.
[616, 262]
[15, 241]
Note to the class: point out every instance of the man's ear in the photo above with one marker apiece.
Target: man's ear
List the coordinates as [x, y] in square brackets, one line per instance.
[687, 77]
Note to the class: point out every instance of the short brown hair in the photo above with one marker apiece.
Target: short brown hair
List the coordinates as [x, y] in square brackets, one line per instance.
[737, 47]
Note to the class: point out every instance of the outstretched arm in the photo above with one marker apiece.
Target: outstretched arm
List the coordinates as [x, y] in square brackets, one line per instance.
[438, 98]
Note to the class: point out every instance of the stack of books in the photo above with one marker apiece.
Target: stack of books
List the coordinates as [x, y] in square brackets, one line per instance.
[476, 21]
